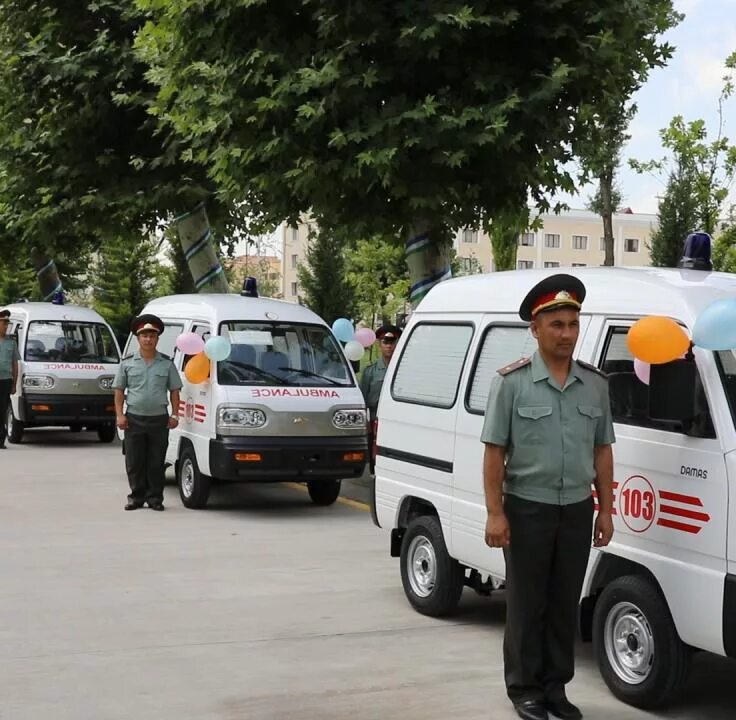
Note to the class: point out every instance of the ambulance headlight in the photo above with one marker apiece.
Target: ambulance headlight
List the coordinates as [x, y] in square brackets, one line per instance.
[349, 419]
[38, 382]
[105, 383]
[240, 417]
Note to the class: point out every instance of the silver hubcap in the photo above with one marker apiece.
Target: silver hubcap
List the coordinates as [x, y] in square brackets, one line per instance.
[629, 643]
[421, 566]
[187, 477]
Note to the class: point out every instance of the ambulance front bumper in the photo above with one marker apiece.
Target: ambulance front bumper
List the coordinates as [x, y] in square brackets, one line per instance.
[49, 409]
[275, 459]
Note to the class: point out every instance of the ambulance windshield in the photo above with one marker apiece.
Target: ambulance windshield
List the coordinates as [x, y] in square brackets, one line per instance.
[275, 353]
[69, 342]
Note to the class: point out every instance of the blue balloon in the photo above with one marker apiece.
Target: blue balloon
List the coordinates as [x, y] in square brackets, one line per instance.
[715, 327]
[217, 348]
[343, 329]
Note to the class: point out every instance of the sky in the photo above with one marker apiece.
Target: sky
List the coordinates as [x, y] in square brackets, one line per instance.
[689, 85]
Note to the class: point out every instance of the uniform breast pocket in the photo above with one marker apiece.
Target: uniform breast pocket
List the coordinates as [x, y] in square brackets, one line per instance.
[160, 378]
[534, 423]
[590, 417]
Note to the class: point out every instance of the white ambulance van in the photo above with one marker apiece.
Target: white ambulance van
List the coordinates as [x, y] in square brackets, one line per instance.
[285, 405]
[69, 356]
[666, 585]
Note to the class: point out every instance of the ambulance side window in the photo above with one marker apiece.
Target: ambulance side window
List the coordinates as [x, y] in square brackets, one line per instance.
[205, 333]
[431, 364]
[630, 396]
[166, 340]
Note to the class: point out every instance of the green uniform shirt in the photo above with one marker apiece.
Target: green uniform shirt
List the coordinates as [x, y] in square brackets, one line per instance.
[549, 432]
[9, 355]
[147, 383]
[371, 383]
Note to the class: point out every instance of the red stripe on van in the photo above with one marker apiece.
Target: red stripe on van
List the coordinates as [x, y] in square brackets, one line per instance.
[677, 497]
[675, 525]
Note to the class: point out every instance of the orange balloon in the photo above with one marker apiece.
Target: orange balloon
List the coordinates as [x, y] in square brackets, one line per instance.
[197, 369]
[656, 340]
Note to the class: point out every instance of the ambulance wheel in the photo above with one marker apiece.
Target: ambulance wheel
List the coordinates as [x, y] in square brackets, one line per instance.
[15, 427]
[194, 487]
[639, 653]
[107, 432]
[324, 492]
[432, 580]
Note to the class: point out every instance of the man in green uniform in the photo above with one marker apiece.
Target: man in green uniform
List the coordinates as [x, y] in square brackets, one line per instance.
[371, 381]
[547, 435]
[151, 382]
[9, 358]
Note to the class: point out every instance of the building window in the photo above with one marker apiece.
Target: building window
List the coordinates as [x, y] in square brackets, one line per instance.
[631, 245]
[524, 264]
[551, 241]
[294, 260]
[470, 236]
[526, 239]
[579, 265]
[294, 234]
[294, 289]
[579, 242]
[470, 266]
[551, 264]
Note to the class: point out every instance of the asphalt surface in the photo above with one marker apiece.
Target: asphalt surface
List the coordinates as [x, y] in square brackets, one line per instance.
[263, 607]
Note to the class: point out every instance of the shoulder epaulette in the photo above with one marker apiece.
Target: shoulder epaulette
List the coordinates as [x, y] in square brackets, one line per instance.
[128, 357]
[520, 363]
[592, 368]
[165, 356]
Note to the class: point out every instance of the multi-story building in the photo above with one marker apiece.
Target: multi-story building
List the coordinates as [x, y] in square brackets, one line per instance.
[570, 239]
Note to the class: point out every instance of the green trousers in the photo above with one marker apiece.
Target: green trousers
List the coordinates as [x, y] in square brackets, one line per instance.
[146, 439]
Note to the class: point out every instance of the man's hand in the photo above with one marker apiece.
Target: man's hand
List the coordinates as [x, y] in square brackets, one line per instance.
[498, 533]
[122, 422]
[603, 530]
[173, 422]
[13, 389]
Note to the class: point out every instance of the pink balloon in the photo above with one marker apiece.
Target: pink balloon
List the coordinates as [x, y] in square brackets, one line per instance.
[642, 370]
[365, 336]
[190, 343]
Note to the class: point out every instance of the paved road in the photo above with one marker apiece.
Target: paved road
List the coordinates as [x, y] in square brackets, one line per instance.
[263, 607]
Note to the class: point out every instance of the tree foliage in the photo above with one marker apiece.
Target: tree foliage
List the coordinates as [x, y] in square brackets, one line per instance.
[708, 166]
[377, 273]
[82, 158]
[378, 117]
[504, 232]
[325, 287]
[676, 217]
[724, 248]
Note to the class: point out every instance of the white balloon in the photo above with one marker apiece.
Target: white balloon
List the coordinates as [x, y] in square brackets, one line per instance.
[354, 350]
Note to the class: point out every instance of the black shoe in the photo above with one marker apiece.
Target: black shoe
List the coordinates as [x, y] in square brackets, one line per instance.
[2, 444]
[156, 506]
[563, 709]
[133, 505]
[531, 710]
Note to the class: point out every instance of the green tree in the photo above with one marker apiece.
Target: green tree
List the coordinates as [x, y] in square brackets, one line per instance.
[124, 277]
[377, 273]
[325, 286]
[677, 216]
[178, 277]
[401, 118]
[81, 157]
[724, 248]
[259, 267]
[707, 167]
[17, 280]
[504, 232]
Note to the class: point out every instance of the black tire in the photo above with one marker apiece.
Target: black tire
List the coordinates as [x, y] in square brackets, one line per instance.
[15, 427]
[435, 589]
[654, 671]
[194, 487]
[324, 492]
[75, 427]
[107, 433]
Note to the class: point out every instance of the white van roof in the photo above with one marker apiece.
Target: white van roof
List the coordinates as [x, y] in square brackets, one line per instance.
[680, 294]
[30, 311]
[221, 307]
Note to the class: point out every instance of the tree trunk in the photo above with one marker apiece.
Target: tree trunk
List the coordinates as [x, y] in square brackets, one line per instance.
[428, 260]
[48, 277]
[195, 237]
[607, 209]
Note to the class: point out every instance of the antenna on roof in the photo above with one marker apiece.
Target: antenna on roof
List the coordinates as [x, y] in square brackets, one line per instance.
[250, 287]
[696, 252]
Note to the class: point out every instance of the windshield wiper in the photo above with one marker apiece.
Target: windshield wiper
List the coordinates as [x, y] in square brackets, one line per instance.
[256, 369]
[309, 373]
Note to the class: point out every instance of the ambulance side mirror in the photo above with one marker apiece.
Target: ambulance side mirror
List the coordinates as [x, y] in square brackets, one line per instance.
[672, 391]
